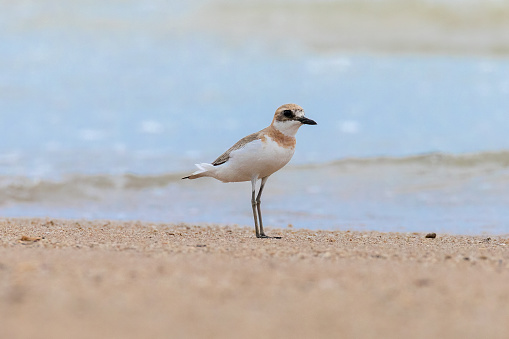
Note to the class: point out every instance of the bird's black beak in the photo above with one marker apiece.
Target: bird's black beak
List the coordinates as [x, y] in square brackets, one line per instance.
[307, 121]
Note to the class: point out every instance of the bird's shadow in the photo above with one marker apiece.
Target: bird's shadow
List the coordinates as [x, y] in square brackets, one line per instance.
[267, 237]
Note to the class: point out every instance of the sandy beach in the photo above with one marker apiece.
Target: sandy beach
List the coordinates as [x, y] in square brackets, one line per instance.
[109, 279]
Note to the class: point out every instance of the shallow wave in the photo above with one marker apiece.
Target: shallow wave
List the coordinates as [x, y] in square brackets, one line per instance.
[93, 187]
[470, 160]
[77, 186]
[429, 25]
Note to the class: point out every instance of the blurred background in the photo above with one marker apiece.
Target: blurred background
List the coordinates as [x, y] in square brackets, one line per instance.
[104, 105]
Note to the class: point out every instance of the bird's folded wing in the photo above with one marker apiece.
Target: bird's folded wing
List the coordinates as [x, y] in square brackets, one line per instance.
[240, 144]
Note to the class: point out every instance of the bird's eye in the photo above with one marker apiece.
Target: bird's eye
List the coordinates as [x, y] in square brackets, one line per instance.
[287, 113]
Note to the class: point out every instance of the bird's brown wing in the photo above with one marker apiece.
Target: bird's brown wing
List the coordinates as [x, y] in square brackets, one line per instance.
[241, 143]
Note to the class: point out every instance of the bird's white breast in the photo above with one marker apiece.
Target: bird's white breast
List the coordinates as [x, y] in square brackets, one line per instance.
[257, 159]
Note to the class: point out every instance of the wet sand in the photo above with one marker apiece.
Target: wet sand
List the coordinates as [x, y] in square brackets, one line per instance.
[105, 279]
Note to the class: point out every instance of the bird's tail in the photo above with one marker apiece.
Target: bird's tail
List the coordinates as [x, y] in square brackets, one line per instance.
[203, 171]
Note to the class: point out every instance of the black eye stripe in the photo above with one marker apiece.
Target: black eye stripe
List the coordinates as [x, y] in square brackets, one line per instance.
[287, 113]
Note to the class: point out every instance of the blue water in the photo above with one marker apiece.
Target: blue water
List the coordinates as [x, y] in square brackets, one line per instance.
[367, 106]
[108, 90]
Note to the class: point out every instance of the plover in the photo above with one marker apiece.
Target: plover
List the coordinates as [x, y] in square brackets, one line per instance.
[257, 156]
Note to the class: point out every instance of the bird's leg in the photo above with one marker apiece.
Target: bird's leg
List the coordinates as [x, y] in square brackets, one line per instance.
[258, 207]
[253, 204]
[258, 203]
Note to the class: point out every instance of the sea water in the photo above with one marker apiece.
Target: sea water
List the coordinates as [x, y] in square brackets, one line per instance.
[104, 106]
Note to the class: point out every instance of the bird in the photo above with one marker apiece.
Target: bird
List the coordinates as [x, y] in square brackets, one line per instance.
[257, 156]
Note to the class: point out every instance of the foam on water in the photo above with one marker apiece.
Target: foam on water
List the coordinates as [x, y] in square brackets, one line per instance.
[436, 192]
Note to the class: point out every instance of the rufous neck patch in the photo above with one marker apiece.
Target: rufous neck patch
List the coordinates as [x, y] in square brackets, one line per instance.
[277, 136]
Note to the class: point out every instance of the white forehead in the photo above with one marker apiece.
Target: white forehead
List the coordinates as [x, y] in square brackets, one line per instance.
[299, 113]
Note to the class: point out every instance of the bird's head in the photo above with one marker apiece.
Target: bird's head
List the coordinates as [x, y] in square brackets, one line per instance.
[288, 118]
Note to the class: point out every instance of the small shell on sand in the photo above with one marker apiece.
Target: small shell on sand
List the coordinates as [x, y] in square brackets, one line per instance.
[25, 238]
